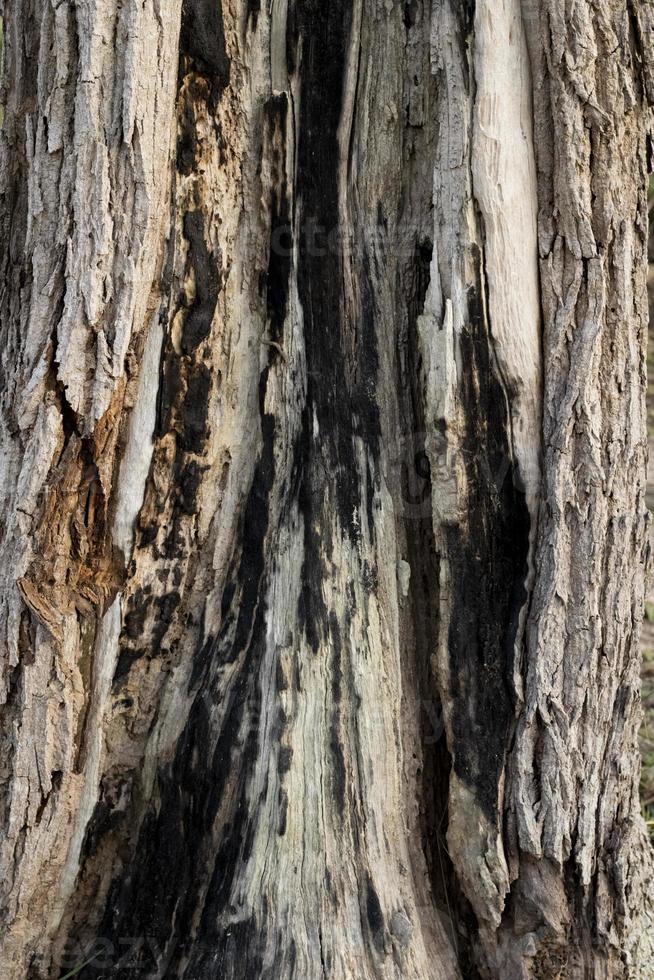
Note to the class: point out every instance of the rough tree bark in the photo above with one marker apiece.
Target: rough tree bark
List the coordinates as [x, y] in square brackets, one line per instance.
[323, 521]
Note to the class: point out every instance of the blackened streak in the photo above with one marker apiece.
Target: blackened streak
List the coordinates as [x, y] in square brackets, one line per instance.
[283, 811]
[424, 588]
[166, 606]
[135, 617]
[255, 527]
[254, 6]
[312, 610]
[189, 480]
[103, 819]
[202, 44]
[342, 361]
[185, 382]
[187, 141]
[292, 35]
[194, 410]
[284, 760]
[279, 263]
[365, 402]
[131, 650]
[338, 758]
[488, 560]
[206, 269]
[374, 912]
[176, 841]
[339, 779]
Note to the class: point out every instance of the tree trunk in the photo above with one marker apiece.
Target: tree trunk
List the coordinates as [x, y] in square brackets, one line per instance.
[323, 514]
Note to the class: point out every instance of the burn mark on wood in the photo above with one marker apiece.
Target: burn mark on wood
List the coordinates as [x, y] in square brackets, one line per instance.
[253, 6]
[176, 838]
[170, 388]
[374, 914]
[488, 560]
[186, 381]
[339, 776]
[190, 479]
[194, 410]
[207, 283]
[341, 349]
[135, 617]
[281, 238]
[284, 760]
[101, 823]
[187, 140]
[255, 528]
[324, 30]
[202, 46]
[312, 611]
[415, 487]
[365, 405]
[159, 614]
[208, 776]
[338, 772]
[283, 811]
[292, 35]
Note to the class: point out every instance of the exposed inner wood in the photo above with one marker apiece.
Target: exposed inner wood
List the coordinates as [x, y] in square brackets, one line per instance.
[323, 464]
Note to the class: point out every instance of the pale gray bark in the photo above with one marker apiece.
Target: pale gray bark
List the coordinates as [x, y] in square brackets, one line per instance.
[323, 463]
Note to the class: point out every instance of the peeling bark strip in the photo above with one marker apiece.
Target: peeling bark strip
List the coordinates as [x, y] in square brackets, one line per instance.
[323, 518]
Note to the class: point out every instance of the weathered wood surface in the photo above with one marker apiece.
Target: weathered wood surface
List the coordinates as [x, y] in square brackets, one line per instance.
[323, 471]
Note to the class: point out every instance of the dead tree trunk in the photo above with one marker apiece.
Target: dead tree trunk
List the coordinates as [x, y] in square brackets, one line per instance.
[323, 463]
